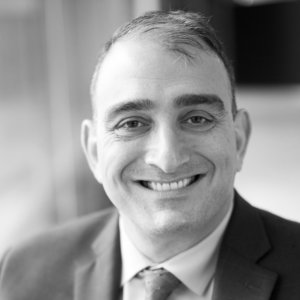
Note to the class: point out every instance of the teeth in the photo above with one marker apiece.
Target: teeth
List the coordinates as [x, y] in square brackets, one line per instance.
[168, 186]
[174, 185]
[165, 186]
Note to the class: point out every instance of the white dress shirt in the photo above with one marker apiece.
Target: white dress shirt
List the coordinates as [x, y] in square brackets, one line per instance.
[194, 267]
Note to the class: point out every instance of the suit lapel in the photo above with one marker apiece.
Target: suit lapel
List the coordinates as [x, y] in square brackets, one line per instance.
[99, 277]
[238, 275]
[237, 278]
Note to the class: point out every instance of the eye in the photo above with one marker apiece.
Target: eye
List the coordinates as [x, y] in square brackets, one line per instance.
[132, 127]
[198, 120]
[132, 124]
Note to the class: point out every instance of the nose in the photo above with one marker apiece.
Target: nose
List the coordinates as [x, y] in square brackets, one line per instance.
[167, 150]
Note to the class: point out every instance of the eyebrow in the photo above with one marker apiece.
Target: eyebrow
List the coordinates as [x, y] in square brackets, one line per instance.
[200, 99]
[129, 106]
[179, 102]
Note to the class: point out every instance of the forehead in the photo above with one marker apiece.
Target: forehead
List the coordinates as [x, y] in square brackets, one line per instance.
[135, 69]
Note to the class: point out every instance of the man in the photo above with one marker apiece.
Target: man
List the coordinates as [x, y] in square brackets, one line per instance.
[166, 141]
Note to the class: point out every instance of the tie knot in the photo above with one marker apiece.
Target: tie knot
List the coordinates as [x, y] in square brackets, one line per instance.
[159, 283]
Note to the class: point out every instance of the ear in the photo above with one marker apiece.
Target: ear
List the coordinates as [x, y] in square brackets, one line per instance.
[242, 127]
[90, 146]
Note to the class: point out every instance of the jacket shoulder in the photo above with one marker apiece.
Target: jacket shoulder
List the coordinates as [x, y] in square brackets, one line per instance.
[284, 256]
[51, 257]
[79, 232]
[281, 232]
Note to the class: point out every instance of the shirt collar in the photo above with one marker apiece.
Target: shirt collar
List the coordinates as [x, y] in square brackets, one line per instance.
[195, 267]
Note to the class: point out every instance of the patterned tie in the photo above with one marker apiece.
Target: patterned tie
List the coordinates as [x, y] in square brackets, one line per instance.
[159, 283]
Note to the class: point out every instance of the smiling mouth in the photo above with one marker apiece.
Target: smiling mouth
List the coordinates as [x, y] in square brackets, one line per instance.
[171, 185]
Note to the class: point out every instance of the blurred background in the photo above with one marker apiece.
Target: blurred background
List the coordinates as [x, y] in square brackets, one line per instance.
[48, 50]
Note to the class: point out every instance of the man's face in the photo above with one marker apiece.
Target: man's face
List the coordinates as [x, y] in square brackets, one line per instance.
[164, 143]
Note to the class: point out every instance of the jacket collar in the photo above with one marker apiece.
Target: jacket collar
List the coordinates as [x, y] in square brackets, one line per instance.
[99, 276]
[238, 276]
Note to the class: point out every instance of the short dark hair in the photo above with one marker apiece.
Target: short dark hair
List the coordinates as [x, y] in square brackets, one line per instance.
[174, 30]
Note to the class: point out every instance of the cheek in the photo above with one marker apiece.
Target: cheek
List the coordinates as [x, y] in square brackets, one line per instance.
[227, 158]
[220, 151]
[115, 160]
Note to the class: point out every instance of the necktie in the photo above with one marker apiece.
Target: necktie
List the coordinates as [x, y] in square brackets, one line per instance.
[159, 283]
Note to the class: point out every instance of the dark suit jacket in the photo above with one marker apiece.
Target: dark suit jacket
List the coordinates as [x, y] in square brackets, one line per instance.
[259, 260]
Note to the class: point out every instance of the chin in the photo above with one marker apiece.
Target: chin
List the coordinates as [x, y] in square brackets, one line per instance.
[171, 222]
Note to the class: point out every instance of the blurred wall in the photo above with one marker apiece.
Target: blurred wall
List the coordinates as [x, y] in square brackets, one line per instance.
[270, 177]
[26, 180]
